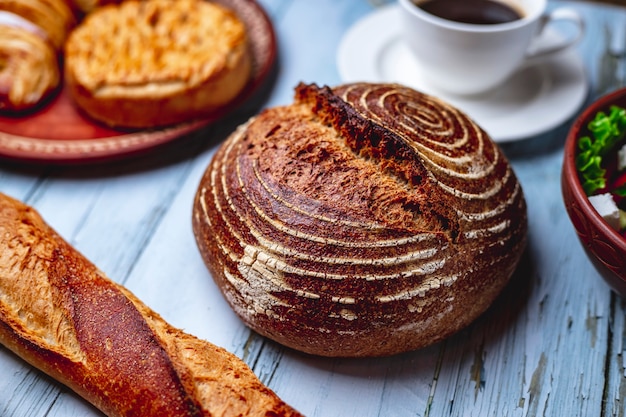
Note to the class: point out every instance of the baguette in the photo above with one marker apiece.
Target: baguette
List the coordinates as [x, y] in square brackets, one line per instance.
[62, 315]
[88, 6]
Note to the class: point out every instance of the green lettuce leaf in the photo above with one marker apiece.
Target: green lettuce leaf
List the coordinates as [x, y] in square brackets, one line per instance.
[606, 130]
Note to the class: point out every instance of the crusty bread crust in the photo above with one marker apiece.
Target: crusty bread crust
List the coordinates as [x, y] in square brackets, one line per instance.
[62, 315]
[157, 62]
[365, 220]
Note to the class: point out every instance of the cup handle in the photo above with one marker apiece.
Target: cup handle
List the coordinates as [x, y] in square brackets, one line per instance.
[564, 14]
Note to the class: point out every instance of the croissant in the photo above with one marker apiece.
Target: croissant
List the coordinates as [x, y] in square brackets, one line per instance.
[363, 220]
[64, 316]
[29, 69]
[55, 17]
[32, 34]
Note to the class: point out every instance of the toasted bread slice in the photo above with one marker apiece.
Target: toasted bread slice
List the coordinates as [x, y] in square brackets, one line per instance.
[151, 63]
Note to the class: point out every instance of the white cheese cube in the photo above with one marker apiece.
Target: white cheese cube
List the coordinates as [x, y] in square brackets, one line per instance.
[606, 207]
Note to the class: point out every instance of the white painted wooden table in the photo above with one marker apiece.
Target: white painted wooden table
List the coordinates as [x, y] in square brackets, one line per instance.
[552, 345]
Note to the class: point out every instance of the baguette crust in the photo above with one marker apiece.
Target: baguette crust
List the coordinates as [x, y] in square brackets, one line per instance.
[62, 315]
[168, 61]
[364, 220]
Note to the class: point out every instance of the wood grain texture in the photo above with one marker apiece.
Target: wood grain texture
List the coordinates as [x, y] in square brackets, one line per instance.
[551, 345]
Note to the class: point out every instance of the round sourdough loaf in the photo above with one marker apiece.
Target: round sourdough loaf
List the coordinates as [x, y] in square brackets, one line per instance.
[143, 64]
[363, 220]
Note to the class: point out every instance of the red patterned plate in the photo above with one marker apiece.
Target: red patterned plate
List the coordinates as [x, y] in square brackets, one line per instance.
[59, 134]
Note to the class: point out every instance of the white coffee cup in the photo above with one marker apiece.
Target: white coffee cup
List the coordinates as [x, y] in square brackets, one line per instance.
[468, 58]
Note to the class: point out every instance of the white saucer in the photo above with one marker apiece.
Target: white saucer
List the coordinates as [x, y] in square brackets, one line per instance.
[536, 99]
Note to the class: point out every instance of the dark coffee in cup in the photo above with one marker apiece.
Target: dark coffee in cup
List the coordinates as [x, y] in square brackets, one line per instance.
[479, 12]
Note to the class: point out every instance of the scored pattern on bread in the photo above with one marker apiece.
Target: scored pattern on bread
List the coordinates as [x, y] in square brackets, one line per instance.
[363, 220]
[65, 317]
[456, 154]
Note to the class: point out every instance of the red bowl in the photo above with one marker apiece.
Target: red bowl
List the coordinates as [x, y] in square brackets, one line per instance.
[604, 245]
